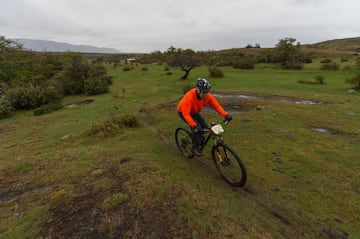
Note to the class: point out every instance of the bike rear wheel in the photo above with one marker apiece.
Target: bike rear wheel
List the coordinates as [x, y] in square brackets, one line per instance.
[229, 164]
[184, 142]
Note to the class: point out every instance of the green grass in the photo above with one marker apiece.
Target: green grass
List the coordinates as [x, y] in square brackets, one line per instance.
[133, 182]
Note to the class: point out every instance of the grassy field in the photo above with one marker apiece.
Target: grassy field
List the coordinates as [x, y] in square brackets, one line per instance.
[59, 181]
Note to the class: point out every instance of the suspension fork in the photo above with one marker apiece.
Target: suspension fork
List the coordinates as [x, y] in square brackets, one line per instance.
[218, 141]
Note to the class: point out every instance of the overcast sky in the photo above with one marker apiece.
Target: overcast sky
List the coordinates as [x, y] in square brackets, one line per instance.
[150, 25]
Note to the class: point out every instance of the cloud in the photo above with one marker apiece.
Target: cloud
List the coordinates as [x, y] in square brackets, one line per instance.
[145, 26]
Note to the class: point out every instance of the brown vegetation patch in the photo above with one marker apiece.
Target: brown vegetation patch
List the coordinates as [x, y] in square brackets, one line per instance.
[79, 103]
[6, 128]
[85, 212]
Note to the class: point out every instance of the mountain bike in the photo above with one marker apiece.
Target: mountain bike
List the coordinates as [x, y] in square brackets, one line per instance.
[226, 160]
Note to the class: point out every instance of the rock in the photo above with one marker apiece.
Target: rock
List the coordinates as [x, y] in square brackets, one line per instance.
[68, 137]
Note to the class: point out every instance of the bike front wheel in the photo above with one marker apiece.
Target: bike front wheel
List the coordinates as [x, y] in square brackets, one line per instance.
[229, 164]
[184, 142]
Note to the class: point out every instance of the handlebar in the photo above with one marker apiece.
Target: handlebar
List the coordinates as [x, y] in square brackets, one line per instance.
[224, 122]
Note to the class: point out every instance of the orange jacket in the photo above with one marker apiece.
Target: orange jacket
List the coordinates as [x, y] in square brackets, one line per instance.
[190, 105]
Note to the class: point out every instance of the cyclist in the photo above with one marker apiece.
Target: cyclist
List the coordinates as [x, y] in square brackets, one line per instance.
[189, 109]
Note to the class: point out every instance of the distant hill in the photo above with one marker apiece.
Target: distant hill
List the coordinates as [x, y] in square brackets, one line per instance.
[53, 46]
[346, 44]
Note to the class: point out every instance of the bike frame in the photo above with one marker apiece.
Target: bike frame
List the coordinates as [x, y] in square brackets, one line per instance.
[212, 135]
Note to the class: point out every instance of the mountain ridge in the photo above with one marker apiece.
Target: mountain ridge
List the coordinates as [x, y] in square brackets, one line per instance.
[345, 44]
[54, 46]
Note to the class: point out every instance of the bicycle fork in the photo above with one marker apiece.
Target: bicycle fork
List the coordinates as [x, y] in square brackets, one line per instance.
[220, 156]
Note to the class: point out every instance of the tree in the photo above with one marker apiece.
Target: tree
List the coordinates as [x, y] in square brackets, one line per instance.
[10, 60]
[354, 80]
[287, 54]
[185, 60]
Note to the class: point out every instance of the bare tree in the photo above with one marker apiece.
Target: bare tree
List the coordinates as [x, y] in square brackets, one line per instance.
[185, 60]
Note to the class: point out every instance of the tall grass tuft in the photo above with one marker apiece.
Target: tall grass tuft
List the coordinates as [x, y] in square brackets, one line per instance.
[112, 124]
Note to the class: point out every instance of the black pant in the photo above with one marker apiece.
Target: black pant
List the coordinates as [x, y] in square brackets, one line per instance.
[200, 121]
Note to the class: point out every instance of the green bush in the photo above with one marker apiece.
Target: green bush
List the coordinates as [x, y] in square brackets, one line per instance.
[48, 108]
[68, 85]
[126, 68]
[215, 72]
[293, 66]
[330, 66]
[25, 97]
[244, 63]
[354, 81]
[96, 86]
[6, 109]
[326, 61]
[320, 79]
[30, 97]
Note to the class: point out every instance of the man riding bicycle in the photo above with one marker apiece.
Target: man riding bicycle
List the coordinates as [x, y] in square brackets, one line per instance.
[189, 109]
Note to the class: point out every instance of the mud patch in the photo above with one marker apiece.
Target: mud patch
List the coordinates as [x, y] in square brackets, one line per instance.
[75, 216]
[6, 128]
[81, 214]
[79, 103]
[333, 232]
[234, 106]
[241, 97]
[10, 195]
[281, 218]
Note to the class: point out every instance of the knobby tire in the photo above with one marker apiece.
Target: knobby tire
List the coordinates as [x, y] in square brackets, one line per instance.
[229, 164]
[184, 142]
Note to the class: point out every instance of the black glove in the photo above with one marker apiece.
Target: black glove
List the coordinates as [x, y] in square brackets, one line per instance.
[197, 129]
[228, 118]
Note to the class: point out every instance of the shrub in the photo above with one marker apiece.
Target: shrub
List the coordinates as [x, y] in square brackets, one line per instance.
[307, 60]
[126, 68]
[215, 72]
[25, 97]
[354, 81]
[69, 86]
[347, 68]
[326, 61]
[30, 97]
[330, 66]
[293, 66]
[129, 121]
[96, 86]
[319, 79]
[244, 63]
[48, 108]
[6, 109]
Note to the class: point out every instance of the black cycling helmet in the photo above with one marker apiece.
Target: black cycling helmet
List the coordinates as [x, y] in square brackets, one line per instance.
[203, 85]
